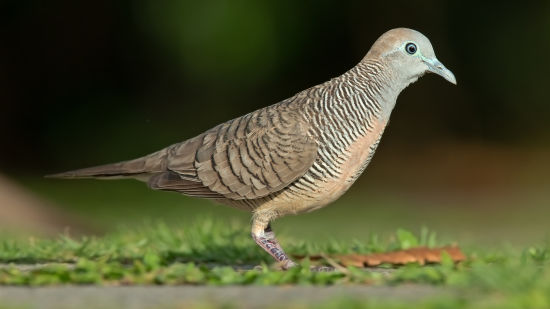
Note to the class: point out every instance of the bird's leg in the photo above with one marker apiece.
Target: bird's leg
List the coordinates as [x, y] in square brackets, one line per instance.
[265, 238]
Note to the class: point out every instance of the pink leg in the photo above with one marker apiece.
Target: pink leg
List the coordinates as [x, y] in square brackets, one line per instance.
[266, 240]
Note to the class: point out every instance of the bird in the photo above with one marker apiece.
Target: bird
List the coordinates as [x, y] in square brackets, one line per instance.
[294, 156]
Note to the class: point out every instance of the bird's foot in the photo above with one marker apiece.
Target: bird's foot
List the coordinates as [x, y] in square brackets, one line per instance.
[287, 264]
[267, 241]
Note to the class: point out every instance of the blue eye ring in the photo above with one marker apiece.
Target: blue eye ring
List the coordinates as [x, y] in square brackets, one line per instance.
[411, 48]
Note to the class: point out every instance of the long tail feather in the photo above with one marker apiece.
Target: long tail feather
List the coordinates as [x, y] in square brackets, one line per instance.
[152, 163]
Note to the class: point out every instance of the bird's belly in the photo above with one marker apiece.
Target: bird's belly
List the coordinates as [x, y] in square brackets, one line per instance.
[297, 199]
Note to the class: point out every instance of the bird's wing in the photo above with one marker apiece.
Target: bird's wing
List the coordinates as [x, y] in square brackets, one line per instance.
[245, 158]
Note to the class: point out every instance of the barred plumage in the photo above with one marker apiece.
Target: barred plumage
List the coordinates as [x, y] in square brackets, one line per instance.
[293, 156]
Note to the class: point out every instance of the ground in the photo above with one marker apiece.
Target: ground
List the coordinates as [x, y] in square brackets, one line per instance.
[130, 267]
[207, 297]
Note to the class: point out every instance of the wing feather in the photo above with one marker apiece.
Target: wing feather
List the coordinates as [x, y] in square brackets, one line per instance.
[246, 158]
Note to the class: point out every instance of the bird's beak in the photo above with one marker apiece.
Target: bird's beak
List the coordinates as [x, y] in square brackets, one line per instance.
[438, 68]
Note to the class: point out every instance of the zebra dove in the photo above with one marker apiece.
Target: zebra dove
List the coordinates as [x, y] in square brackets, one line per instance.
[297, 155]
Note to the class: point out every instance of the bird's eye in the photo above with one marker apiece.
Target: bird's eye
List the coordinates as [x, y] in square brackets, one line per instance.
[410, 48]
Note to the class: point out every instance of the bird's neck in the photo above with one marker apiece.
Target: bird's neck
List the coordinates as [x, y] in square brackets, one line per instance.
[374, 90]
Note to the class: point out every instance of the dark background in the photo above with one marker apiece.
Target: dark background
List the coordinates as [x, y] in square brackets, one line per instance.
[90, 82]
[85, 82]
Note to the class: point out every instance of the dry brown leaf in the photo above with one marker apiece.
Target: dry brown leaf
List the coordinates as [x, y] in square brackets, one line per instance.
[420, 255]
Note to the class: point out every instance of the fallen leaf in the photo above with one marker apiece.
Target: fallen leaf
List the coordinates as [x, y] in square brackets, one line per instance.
[420, 255]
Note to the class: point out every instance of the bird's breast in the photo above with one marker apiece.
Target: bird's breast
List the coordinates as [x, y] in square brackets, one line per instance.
[359, 155]
[299, 199]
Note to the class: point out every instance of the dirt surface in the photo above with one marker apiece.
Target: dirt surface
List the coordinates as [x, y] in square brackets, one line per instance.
[185, 296]
[22, 211]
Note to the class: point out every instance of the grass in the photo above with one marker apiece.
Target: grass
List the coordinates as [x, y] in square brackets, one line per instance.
[205, 241]
[185, 250]
[202, 254]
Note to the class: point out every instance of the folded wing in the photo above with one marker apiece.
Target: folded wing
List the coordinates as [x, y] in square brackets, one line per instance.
[246, 158]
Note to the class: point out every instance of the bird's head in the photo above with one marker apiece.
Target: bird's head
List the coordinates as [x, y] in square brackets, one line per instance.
[409, 54]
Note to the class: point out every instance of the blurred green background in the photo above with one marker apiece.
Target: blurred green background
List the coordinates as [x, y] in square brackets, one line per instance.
[90, 82]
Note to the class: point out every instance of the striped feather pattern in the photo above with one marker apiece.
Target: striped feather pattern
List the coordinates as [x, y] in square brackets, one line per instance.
[294, 146]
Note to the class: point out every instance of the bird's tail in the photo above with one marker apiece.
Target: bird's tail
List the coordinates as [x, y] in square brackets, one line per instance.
[149, 164]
